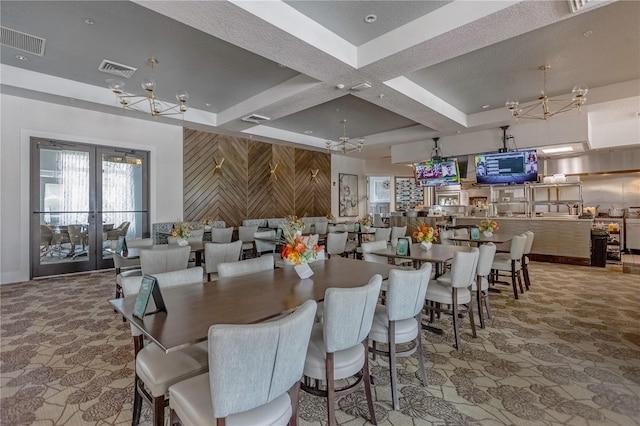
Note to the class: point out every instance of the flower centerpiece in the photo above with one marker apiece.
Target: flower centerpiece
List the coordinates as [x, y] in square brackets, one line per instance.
[365, 222]
[207, 222]
[182, 232]
[297, 251]
[426, 235]
[488, 227]
[294, 224]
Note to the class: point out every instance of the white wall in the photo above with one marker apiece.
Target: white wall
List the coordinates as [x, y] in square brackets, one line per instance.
[22, 119]
[353, 166]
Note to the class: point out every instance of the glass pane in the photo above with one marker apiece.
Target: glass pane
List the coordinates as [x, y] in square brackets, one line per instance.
[121, 198]
[64, 206]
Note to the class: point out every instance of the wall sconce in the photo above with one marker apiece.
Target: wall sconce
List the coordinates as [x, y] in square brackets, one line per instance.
[218, 166]
[314, 173]
[272, 171]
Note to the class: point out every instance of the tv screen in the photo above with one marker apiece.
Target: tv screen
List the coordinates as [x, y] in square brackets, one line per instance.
[513, 167]
[437, 173]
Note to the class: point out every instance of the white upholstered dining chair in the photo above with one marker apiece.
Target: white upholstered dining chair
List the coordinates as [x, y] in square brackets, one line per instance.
[160, 259]
[217, 253]
[221, 235]
[244, 267]
[254, 375]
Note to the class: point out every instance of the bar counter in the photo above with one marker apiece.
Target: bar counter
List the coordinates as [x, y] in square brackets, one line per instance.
[557, 239]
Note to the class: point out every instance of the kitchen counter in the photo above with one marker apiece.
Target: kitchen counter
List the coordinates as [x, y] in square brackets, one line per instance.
[557, 239]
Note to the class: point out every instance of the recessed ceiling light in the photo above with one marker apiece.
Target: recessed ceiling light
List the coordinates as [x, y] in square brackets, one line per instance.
[308, 132]
[370, 19]
[558, 149]
[485, 106]
[22, 57]
[208, 104]
[587, 33]
[89, 21]
[340, 86]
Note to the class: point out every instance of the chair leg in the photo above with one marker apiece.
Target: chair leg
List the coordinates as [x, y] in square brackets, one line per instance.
[294, 393]
[479, 300]
[513, 279]
[485, 299]
[331, 395]
[423, 372]
[472, 321]
[525, 272]
[454, 311]
[137, 403]
[519, 275]
[393, 373]
[367, 383]
[158, 410]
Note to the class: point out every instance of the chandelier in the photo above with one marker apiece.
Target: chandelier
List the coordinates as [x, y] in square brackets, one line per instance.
[546, 108]
[344, 144]
[148, 101]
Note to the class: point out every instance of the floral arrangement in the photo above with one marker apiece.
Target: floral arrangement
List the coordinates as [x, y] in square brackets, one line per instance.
[425, 233]
[488, 225]
[365, 221]
[330, 216]
[207, 221]
[295, 249]
[181, 230]
[294, 223]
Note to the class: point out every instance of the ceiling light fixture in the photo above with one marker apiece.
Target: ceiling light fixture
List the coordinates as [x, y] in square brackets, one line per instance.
[545, 104]
[558, 150]
[22, 57]
[370, 19]
[345, 145]
[149, 102]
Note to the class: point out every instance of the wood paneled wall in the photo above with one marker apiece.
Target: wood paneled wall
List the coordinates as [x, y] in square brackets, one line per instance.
[245, 187]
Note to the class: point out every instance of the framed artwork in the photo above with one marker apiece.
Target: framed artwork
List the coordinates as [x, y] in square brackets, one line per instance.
[348, 194]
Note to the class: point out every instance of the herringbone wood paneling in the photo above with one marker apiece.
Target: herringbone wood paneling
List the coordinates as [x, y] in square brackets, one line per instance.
[244, 187]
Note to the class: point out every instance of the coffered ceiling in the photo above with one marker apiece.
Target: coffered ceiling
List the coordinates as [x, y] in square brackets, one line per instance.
[431, 68]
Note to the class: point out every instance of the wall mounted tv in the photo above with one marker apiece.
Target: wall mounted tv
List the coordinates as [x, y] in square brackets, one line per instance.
[437, 173]
[513, 167]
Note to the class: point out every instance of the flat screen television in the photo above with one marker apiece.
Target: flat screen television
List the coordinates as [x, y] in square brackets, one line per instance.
[514, 167]
[437, 173]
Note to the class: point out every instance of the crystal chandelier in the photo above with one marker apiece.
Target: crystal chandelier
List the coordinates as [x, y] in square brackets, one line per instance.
[148, 101]
[546, 108]
[344, 144]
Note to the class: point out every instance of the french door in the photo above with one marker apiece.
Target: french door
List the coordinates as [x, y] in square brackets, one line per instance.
[83, 198]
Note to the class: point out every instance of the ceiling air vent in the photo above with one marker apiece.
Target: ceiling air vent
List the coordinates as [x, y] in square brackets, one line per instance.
[578, 5]
[255, 118]
[22, 41]
[115, 68]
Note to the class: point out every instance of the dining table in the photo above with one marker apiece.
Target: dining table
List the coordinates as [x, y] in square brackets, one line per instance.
[483, 239]
[438, 254]
[245, 299]
[197, 247]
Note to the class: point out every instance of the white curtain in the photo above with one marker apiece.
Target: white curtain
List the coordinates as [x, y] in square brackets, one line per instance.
[118, 193]
[74, 180]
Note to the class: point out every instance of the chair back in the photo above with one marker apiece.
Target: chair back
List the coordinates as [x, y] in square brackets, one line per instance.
[46, 234]
[485, 259]
[264, 246]
[348, 314]
[383, 234]
[341, 227]
[120, 262]
[76, 235]
[529, 244]
[140, 242]
[245, 233]
[377, 220]
[336, 243]
[350, 226]
[173, 258]
[321, 227]
[407, 291]
[131, 284]
[216, 253]
[312, 239]
[221, 235]
[367, 248]
[518, 244]
[398, 231]
[197, 236]
[462, 232]
[463, 268]
[444, 237]
[244, 267]
[242, 378]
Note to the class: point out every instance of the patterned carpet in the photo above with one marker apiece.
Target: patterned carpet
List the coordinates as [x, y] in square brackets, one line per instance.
[566, 353]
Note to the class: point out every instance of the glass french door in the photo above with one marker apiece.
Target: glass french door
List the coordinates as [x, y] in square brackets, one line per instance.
[83, 198]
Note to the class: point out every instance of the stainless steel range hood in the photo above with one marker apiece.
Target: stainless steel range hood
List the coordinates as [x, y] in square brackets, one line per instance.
[595, 162]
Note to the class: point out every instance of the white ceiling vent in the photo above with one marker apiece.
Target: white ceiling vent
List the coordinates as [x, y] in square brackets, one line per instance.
[115, 68]
[577, 5]
[255, 118]
[22, 41]
[361, 86]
